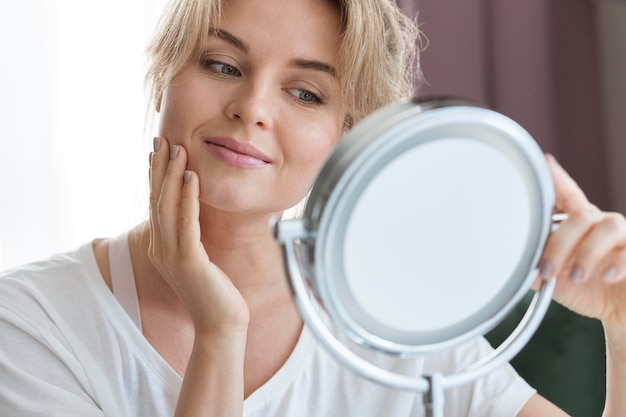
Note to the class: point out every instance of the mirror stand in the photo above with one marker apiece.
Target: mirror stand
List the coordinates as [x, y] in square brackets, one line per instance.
[433, 386]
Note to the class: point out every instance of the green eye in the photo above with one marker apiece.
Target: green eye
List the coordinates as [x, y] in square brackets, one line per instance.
[228, 69]
[305, 96]
[221, 68]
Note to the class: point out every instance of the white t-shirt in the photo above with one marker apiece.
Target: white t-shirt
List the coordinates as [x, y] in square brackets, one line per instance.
[67, 348]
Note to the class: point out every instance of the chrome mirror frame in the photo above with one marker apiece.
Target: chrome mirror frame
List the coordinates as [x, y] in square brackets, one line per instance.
[358, 158]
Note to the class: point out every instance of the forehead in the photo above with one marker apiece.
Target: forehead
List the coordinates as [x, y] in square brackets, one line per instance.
[297, 28]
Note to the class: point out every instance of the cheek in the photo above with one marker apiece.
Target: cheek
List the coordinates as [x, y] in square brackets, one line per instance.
[171, 118]
[311, 150]
[179, 112]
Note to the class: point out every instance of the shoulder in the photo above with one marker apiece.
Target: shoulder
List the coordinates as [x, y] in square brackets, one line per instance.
[79, 260]
[38, 301]
[56, 283]
[49, 268]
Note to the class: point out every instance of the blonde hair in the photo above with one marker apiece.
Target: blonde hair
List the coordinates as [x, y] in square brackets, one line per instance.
[378, 57]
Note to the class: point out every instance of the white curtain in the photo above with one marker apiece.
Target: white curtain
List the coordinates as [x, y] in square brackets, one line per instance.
[74, 154]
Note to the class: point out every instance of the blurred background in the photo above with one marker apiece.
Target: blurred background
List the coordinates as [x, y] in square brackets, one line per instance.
[74, 154]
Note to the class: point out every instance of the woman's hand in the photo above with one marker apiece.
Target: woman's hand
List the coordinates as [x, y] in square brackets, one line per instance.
[587, 254]
[214, 303]
[214, 378]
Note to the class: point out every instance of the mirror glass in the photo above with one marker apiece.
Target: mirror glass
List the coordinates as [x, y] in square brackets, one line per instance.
[434, 238]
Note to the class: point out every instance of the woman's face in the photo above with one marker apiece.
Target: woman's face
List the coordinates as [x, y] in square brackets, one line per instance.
[261, 110]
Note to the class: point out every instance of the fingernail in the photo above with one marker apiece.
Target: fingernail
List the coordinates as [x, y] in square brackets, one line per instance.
[173, 152]
[545, 269]
[553, 159]
[156, 144]
[187, 177]
[576, 273]
[610, 274]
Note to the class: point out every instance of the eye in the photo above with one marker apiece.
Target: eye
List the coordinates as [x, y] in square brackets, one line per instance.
[305, 96]
[221, 68]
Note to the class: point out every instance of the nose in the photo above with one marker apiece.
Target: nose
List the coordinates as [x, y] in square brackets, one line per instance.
[252, 104]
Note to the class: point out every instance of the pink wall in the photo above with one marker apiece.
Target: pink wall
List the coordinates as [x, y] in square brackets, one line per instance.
[533, 60]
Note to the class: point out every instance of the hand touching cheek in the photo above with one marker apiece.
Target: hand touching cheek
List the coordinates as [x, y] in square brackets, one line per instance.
[176, 249]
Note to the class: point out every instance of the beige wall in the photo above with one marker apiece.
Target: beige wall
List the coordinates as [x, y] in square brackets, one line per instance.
[611, 36]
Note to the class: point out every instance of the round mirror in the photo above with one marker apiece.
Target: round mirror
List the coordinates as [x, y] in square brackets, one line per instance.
[423, 228]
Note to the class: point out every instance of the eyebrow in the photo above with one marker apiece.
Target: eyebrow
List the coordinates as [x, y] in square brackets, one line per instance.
[230, 38]
[295, 63]
[314, 65]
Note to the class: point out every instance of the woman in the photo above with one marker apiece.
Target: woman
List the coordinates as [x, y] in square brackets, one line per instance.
[252, 96]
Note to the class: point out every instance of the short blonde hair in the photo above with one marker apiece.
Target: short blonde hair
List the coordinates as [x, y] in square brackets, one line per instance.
[377, 51]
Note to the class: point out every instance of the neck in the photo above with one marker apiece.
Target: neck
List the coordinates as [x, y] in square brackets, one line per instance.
[244, 248]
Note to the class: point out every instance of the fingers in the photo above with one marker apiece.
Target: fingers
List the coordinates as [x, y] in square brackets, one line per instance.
[590, 244]
[168, 207]
[158, 166]
[176, 249]
[569, 197]
[600, 249]
[190, 213]
[613, 270]
[174, 206]
[566, 241]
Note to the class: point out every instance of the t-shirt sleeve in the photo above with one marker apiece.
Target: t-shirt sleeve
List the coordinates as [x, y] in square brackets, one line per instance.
[39, 375]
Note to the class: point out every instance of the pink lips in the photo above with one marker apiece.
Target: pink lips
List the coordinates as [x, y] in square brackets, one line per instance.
[235, 153]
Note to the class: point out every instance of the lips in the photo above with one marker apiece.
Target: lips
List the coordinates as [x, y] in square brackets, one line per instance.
[235, 153]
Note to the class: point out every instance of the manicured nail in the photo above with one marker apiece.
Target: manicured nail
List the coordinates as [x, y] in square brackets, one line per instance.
[173, 152]
[156, 144]
[610, 274]
[576, 273]
[545, 269]
[187, 177]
